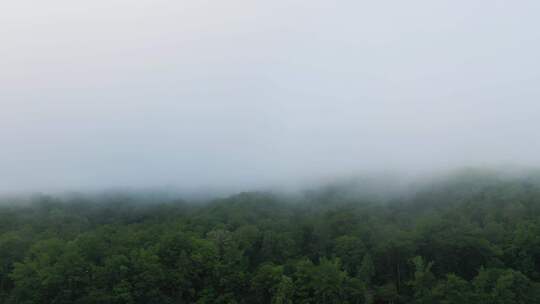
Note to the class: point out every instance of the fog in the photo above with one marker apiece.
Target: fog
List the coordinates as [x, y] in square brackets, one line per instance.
[246, 94]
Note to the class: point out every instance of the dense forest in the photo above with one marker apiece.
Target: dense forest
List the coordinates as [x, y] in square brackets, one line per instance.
[471, 237]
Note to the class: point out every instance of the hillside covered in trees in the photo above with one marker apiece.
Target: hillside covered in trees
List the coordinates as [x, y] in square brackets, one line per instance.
[473, 237]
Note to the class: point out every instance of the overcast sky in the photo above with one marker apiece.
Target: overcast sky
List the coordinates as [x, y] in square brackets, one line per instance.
[194, 93]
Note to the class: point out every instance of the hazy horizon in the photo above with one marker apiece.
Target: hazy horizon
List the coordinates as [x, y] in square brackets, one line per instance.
[242, 94]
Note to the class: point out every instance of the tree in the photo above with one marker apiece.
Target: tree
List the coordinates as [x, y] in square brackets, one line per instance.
[454, 290]
[500, 286]
[266, 281]
[350, 250]
[284, 292]
[423, 281]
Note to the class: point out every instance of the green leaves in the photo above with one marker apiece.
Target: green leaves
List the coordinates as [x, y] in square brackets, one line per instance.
[463, 243]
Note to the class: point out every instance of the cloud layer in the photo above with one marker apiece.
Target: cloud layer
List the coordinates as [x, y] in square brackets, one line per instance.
[189, 94]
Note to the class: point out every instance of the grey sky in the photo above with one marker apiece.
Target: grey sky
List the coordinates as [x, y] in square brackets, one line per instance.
[193, 93]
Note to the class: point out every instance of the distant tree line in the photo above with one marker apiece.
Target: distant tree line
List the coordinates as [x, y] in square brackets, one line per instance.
[472, 238]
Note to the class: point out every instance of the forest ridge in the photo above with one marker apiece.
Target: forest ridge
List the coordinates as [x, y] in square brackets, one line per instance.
[472, 237]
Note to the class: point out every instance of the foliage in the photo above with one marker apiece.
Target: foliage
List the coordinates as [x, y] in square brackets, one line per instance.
[472, 238]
